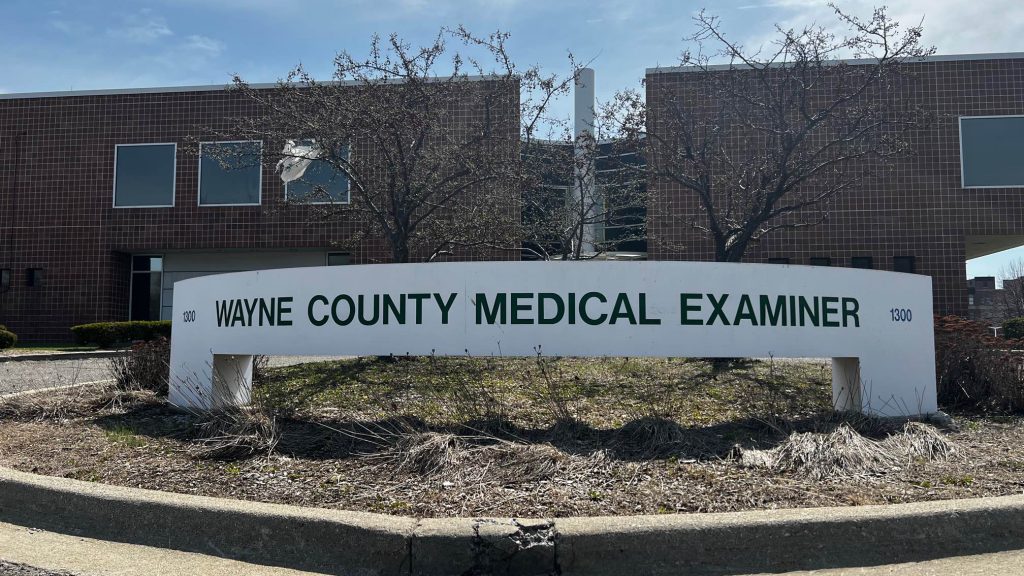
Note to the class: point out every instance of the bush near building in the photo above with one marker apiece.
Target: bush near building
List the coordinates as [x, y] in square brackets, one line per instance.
[973, 368]
[7, 338]
[107, 334]
[1013, 328]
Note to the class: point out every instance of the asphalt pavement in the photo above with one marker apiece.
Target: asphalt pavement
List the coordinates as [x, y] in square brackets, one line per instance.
[33, 374]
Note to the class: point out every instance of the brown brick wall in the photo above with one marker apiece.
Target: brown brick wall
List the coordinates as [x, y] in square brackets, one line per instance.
[56, 197]
[917, 208]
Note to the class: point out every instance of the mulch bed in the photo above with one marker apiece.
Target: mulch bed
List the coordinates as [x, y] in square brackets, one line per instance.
[410, 468]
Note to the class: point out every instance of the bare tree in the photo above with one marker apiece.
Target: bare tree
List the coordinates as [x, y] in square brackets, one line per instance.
[764, 139]
[1010, 300]
[428, 138]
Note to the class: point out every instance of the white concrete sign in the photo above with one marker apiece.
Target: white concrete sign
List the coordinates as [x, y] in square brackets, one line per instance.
[876, 326]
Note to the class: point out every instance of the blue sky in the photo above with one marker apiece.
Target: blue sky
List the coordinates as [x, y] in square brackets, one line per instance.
[53, 45]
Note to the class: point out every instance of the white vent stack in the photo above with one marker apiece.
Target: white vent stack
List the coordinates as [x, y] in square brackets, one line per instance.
[583, 179]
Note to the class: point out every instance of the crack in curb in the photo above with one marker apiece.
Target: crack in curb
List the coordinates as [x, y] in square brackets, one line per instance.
[495, 554]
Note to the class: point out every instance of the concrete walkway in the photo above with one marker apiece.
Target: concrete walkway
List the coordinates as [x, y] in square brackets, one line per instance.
[995, 564]
[51, 552]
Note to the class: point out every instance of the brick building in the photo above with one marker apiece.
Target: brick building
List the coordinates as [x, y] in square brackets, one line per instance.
[103, 210]
[104, 207]
[929, 214]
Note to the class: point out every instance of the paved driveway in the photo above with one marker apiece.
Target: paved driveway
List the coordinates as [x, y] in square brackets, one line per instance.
[32, 374]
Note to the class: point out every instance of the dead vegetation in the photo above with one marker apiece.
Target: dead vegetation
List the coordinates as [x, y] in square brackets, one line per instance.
[521, 437]
[845, 452]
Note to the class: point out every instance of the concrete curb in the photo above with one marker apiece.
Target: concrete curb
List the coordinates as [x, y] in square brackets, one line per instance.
[63, 356]
[342, 542]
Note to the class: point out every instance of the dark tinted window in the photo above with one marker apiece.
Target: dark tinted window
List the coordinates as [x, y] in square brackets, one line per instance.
[821, 261]
[229, 173]
[5, 279]
[144, 175]
[338, 259]
[147, 283]
[991, 150]
[904, 264]
[147, 263]
[866, 262]
[34, 277]
[321, 182]
[778, 260]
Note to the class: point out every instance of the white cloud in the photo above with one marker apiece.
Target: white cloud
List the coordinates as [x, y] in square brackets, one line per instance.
[143, 28]
[951, 29]
[205, 44]
[62, 25]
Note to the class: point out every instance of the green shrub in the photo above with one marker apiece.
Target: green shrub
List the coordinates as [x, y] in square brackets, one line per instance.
[7, 339]
[1013, 328]
[107, 334]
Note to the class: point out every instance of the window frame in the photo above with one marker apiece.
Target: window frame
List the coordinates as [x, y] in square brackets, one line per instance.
[348, 189]
[174, 176]
[199, 184]
[960, 137]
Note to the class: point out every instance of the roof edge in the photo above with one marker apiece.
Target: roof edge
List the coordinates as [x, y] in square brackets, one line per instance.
[176, 89]
[855, 61]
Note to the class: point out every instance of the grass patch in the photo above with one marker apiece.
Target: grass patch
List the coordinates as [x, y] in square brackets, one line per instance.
[125, 436]
[540, 392]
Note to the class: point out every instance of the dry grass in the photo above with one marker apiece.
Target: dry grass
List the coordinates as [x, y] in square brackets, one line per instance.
[478, 459]
[410, 437]
[845, 452]
[919, 440]
[649, 437]
[234, 433]
[72, 402]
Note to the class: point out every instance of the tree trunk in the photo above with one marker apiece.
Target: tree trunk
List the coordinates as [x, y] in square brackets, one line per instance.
[400, 250]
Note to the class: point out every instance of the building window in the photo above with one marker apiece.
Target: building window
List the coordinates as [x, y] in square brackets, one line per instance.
[5, 279]
[821, 261]
[146, 287]
[321, 183]
[865, 262]
[34, 277]
[230, 173]
[906, 264]
[144, 175]
[338, 258]
[778, 260]
[991, 148]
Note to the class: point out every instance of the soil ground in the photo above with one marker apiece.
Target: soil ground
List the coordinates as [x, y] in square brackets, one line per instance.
[538, 437]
